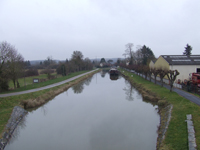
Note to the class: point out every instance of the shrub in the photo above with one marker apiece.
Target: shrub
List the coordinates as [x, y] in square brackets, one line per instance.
[46, 71]
[31, 72]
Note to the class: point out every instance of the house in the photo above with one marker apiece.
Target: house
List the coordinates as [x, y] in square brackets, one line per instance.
[152, 63]
[103, 64]
[183, 63]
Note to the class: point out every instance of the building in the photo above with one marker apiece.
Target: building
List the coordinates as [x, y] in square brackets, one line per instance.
[152, 63]
[183, 63]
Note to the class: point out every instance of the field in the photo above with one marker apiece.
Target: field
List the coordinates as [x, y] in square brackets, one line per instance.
[29, 80]
[31, 85]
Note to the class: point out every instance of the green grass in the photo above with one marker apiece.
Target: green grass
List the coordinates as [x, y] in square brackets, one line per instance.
[176, 135]
[7, 104]
[28, 80]
[30, 85]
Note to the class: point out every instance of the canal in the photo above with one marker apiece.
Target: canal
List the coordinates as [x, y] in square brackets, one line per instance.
[96, 114]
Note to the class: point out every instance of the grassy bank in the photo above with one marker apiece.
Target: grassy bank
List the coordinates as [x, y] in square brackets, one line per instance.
[176, 137]
[29, 81]
[35, 99]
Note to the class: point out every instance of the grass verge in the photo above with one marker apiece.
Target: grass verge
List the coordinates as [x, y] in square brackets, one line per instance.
[36, 99]
[42, 84]
[176, 137]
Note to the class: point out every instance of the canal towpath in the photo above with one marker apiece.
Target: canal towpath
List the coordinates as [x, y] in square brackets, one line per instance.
[46, 87]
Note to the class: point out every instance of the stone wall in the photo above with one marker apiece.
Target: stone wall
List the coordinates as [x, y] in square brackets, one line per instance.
[17, 114]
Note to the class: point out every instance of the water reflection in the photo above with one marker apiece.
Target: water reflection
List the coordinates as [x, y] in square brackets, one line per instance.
[16, 133]
[129, 91]
[112, 133]
[100, 118]
[114, 77]
[104, 72]
[88, 81]
[78, 88]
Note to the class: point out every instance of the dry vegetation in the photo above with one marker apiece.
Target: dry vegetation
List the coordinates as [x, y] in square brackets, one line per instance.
[32, 103]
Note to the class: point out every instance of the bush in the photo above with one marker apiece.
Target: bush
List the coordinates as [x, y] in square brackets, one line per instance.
[46, 71]
[3, 85]
[31, 72]
[61, 70]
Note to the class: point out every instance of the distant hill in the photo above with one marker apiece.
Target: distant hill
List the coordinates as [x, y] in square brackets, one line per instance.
[114, 59]
[36, 62]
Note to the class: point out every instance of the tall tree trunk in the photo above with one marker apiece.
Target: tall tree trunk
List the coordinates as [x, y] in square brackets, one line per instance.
[14, 83]
[171, 86]
[155, 79]
[161, 82]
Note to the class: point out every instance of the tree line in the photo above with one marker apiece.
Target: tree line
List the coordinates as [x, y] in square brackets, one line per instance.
[13, 66]
[139, 62]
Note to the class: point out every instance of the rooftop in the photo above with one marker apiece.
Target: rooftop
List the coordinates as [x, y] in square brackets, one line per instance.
[182, 59]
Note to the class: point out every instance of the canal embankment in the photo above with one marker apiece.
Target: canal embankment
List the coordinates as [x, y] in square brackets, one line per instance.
[98, 113]
[32, 100]
[17, 115]
[176, 136]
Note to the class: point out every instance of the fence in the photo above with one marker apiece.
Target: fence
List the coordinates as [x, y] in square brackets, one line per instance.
[189, 87]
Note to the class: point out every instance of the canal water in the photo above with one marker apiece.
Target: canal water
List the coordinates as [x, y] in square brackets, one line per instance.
[97, 114]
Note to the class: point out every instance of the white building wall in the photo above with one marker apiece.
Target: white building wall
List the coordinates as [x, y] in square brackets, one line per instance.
[184, 70]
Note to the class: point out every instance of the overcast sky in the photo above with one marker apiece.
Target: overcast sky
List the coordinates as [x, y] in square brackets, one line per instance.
[99, 28]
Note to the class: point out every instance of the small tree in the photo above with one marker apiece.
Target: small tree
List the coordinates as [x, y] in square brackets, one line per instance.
[188, 50]
[145, 71]
[77, 60]
[102, 60]
[149, 73]
[162, 73]
[155, 73]
[15, 65]
[172, 74]
[110, 61]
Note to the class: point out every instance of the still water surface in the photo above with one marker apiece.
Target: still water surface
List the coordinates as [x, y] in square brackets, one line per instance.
[97, 114]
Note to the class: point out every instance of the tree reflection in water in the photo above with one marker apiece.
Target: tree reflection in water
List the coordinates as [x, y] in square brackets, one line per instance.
[78, 88]
[88, 81]
[129, 91]
[103, 73]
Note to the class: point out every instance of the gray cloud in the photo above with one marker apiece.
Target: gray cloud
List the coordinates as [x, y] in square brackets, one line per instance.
[98, 28]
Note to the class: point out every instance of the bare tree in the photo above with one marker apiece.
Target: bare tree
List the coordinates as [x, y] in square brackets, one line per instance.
[172, 74]
[149, 73]
[162, 73]
[4, 56]
[129, 52]
[11, 63]
[145, 71]
[15, 66]
[77, 59]
[87, 64]
[155, 73]
[138, 55]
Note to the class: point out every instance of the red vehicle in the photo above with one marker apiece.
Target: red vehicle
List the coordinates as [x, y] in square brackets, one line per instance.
[195, 79]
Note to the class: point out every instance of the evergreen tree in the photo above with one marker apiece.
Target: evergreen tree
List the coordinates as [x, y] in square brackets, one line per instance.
[147, 55]
[103, 60]
[188, 50]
